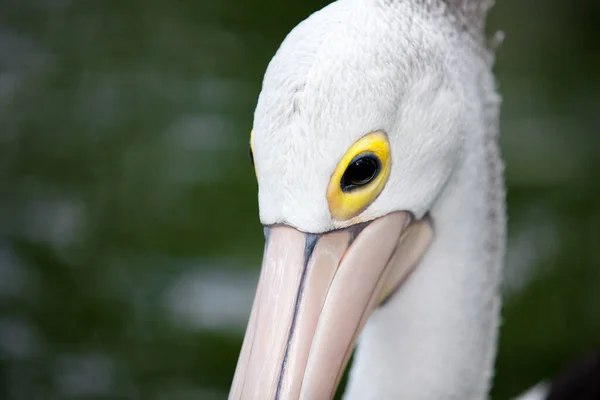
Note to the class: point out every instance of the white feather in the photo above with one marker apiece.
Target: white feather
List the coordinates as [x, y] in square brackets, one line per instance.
[538, 392]
[410, 69]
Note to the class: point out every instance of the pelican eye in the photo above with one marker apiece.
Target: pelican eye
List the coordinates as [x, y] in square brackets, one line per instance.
[359, 176]
[251, 154]
[361, 170]
[251, 151]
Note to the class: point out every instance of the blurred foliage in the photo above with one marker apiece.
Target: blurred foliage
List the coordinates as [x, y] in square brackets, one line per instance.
[124, 169]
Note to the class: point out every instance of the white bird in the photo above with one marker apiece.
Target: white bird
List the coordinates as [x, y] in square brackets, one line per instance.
[381, 188]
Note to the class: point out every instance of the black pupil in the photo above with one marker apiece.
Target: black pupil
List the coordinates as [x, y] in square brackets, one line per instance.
[362, 170]
[251, 154]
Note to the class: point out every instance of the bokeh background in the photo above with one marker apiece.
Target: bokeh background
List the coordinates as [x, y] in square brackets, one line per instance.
[129, 238]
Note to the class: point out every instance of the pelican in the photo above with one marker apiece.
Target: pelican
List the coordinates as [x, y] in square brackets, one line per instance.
[381, 190]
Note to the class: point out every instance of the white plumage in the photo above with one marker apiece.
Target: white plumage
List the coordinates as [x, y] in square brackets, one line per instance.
[420, 71]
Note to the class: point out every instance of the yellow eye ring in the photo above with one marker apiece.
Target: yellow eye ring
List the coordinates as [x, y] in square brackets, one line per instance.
[251, 151]
[360, 176]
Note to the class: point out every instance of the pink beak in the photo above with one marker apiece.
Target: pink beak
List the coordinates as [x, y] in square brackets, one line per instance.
[314, 296]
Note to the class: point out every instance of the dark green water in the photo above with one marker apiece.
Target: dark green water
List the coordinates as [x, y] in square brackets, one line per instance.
[129, 236]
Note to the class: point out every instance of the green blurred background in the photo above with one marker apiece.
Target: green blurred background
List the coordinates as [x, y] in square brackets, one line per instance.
[129, 236]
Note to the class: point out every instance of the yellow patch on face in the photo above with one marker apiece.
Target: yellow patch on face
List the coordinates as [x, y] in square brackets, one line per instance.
[360, 176]
[252, 152]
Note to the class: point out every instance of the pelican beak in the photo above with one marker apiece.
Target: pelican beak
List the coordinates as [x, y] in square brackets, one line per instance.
[314, 295]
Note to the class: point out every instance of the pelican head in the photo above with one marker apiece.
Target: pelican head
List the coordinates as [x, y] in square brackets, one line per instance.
[380, 189]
